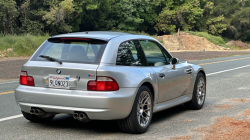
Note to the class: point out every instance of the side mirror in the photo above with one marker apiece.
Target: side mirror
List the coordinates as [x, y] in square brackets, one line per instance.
[174, 61]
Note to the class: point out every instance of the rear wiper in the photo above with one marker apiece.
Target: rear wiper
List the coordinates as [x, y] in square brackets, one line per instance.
[50, 58]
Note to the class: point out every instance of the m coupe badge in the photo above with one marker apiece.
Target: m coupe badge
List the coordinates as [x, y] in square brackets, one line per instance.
[89, 75]
[58, 71]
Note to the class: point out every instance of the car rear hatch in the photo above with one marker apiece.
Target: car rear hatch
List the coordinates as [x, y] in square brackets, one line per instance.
[66, 63]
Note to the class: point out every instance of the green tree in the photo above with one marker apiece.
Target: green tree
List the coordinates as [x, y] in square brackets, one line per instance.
[241, 21]
[236, 13]
[132, 14]
[8, 15]
[229, 18]
[183, 14]
[213, 23]
[30, 18]
[59, 15]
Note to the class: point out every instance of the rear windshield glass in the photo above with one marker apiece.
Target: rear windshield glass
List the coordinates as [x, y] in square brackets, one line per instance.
[72, 50]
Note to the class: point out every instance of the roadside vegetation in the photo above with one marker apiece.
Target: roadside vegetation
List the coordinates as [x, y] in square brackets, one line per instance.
[217, 20]
[221, 41]
[20, 45]
[25, 45]
[227, 18]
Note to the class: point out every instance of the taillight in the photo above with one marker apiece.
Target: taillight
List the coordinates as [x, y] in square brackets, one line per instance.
[103, 84]
[25, 79]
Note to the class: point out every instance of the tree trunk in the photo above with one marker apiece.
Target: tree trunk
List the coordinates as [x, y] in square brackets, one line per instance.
[242, 3]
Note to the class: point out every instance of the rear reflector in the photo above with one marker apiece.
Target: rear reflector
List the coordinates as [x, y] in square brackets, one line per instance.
[103, 84]
[25, 79]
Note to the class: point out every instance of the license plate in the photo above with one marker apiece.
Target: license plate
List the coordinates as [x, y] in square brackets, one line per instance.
[59, 81]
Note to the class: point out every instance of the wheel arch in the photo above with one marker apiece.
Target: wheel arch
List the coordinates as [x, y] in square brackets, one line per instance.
[151, 88]
[203, 72]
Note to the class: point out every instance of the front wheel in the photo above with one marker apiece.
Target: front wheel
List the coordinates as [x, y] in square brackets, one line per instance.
[199, 93]
[141, 114]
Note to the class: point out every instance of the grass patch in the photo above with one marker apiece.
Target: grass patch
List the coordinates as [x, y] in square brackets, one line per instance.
[217, 40]
[20, 45]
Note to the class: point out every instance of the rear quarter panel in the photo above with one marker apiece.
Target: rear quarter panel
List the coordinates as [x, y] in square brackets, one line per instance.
[130, 76]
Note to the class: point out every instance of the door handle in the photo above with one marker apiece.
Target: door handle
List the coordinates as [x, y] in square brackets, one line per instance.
[161, 75]
[189, 71]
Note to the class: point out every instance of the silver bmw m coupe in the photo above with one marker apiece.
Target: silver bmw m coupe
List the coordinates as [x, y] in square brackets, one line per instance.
[107, 76]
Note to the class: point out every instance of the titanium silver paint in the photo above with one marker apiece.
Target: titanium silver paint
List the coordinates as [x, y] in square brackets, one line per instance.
[176, 88]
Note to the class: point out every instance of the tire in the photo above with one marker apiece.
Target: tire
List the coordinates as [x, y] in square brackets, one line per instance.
[199, 94]
[131, 124]
[37, 119]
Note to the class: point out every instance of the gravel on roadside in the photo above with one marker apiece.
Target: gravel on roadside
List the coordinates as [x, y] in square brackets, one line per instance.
[10, 69]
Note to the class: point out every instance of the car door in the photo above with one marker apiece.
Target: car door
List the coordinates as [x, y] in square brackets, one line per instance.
[171, 82]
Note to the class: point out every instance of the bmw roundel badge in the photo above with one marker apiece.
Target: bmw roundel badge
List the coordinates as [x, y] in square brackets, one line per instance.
[58, 71]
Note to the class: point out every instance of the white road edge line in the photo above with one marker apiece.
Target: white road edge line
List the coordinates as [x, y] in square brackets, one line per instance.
[20, 115]
[11, 117]
[227, 70]
[9, 82]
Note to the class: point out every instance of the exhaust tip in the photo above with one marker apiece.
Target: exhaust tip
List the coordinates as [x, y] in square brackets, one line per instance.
[75, 115]
[32, 111]
[82, 116]
[36, 111]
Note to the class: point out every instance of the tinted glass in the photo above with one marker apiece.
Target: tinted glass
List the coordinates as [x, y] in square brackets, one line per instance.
[74, 51]
[130, 54]
[154, 54]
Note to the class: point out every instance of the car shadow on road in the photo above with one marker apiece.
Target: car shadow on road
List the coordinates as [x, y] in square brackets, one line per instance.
[96, 126]
[165, 115]
[65, 122]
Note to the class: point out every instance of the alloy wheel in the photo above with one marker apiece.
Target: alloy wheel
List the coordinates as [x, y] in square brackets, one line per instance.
[201, 91]
[144, 109]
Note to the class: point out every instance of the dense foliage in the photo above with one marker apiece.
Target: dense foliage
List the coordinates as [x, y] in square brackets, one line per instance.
[229, 18]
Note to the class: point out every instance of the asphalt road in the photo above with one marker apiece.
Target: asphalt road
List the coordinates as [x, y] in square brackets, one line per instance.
[227, 79]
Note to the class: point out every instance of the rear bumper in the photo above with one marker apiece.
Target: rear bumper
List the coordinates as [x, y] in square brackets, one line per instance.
[97, 105]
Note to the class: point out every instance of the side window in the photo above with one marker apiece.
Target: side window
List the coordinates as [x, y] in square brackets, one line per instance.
[130, 54]
[167, 55]
[155, 55]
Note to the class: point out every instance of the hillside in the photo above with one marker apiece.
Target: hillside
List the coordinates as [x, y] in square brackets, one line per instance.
[188, 42]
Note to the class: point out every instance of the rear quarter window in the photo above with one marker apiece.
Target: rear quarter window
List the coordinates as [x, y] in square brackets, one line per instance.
[72, 51]
[130, 54]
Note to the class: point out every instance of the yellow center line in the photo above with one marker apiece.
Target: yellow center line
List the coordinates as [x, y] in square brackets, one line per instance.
[1, 93]
[223, 61]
